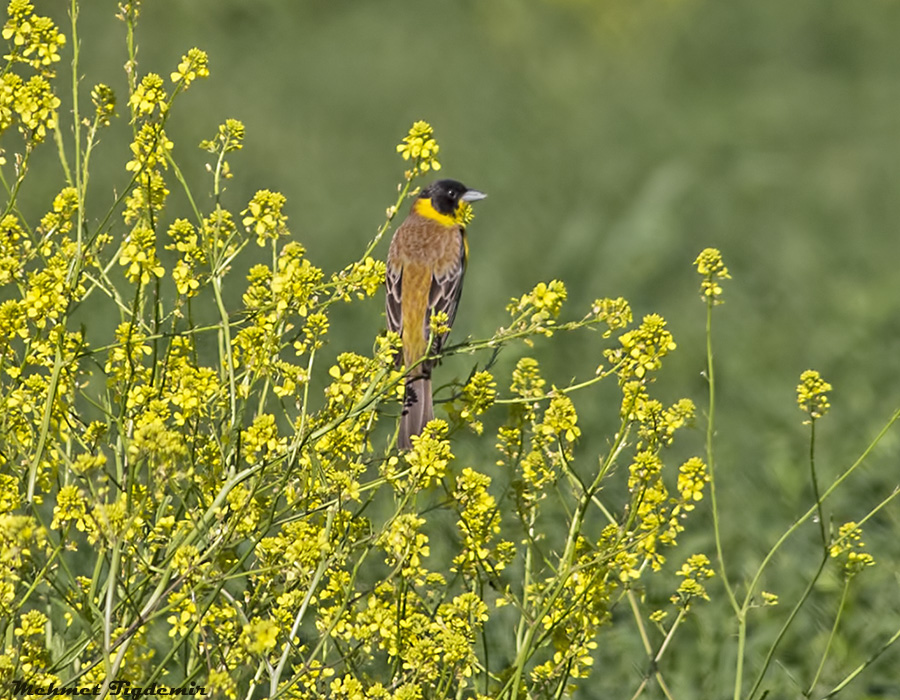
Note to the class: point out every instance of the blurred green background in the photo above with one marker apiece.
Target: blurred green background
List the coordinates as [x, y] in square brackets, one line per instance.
[616, 139]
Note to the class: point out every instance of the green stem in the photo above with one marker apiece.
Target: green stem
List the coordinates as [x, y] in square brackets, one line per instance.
[863, 666]
[76, 119]
[739, 664]
[228, 354]
[301, 613]
[527, 646]
[111, 583]
[14, 190]
[815, 482]
[710, 458]
[784, 628]
[834, 627]
[816, 508]
[52, 387]
[529, 565]
[813, 509]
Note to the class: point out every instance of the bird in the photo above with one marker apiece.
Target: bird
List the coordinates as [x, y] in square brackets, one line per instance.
[426, 264]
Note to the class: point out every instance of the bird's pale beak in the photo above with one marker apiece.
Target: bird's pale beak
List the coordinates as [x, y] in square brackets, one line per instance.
[473, 196]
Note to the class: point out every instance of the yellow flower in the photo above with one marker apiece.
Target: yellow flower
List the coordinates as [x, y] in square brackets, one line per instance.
[709, 264]
[194, 64]
[70, 505]
[263, 216]
[694, 570]
[150, 146]
[642, 349]
[139, 255]
[850, 547]
[104, 100]
[692, 476]
[148, 97]
[419, 146]
[615, 313]
[812, 394]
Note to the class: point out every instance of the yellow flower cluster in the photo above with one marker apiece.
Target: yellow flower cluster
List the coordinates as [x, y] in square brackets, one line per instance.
[35, 39]
[47, 292]
[657, 424]
[850, 548]
[32, 104]
[263, 216]
[465, 214]
[294, 282]
[115, 521]
[425, 644]
[149, 148]
[314, 331]
[353, 378]
[420, 147]
[194, 64]
[193, 390]
[438, 324]
[535, 312]
[477, 396]
[186, 274]
[295, 551]
[694, 571]
[654, 515]
[561, 420]
[149, 97]
[260, 636]
[710, 266]
[70, 508]
[184, 615]
[155, 439]
[104, 100]
[428, 458]
[33, 656]
[615, 313]
[642, 349]
[654, 518]
[229, 138]
[479, 525]
[361, 279]
[139, 256]
[812, 394]
[59, 221]
[406, 547]
[537, 444]
[526, 379]
[14, 250]
[272, 300]
[146, 199]
[22, 541]
[692, 477]
[261, 440]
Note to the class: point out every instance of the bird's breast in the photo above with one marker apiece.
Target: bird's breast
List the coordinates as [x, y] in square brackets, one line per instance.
[425, 242]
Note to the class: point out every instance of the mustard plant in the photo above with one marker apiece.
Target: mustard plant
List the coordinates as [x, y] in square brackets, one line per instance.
[813, 401]
[181, 508]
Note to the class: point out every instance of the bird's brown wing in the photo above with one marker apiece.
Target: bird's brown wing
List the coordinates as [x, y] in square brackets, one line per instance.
[446, 290]
[394, 284]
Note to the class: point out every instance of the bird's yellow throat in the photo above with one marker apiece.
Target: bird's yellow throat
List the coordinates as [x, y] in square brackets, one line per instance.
[423, 207]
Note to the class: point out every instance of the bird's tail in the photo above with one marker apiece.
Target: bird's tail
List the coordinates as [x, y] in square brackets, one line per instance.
[418, 409]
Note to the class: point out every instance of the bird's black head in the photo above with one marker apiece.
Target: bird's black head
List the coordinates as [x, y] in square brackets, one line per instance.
[445, 195]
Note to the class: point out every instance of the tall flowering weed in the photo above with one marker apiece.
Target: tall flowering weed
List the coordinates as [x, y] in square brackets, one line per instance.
[223, 504]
